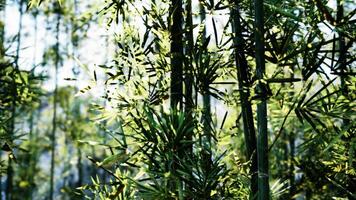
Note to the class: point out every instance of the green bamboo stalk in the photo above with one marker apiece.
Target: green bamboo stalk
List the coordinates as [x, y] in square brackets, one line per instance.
[34, 61]
[292, 186]
[206, 95]
[262, 137]
[31, 157]
[8, 190]
[74, 54]
[55, 100]
[33, 151]
[291, 140]
[176, 31]
[19, 33]
[246, 107]
[342, 48]
[189, 79]
[207, 117]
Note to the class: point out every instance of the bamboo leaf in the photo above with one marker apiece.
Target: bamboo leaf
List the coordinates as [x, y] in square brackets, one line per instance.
[318, 92]
[113, 159]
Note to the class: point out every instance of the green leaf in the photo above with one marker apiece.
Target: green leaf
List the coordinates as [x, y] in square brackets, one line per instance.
[113, 159]
[282, 12]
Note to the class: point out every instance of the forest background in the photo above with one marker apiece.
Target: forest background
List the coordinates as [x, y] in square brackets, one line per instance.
[180, 99]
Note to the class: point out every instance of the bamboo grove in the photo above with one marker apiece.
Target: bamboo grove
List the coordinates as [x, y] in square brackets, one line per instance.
[177, 99]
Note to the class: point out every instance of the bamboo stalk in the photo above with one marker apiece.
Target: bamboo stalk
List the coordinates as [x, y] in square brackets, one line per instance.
[262, 137]
[189, 79]
[342, 48]
[292, 186]
[176, 31]
[55, 99]
[188, 65]
[206, 95]
[246, 107]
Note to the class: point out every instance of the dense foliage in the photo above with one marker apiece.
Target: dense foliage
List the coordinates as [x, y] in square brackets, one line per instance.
[180, 99]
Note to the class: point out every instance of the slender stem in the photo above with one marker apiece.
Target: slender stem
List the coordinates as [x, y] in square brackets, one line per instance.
[176, 13]
[291, 140]
[80, 168]
[176, 33]
[206, 95]
[262, 137]
[207, 116]
[342, 48]
[19, 34]
[55, 99]
[32, 156]
[246, 107]
[35, 40]
[292, 188]
[31, 159]
[189, 79]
